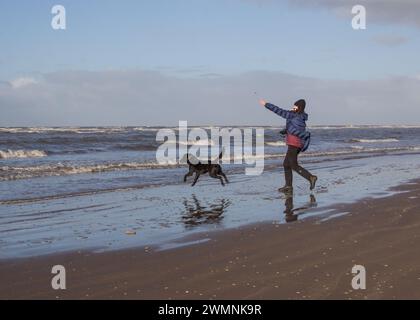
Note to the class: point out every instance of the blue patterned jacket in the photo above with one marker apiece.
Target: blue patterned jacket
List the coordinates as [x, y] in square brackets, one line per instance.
[295, 123]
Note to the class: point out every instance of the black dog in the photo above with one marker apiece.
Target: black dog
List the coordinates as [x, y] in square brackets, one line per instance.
[214, 170]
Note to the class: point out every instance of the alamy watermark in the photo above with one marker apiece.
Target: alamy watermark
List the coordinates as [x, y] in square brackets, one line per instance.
[237, 145]
[58, 282]
[358, 281]
[359, 20]
[58, 21]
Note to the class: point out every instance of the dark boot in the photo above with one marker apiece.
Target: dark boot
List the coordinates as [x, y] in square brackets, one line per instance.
[313, 180]
[286, 189]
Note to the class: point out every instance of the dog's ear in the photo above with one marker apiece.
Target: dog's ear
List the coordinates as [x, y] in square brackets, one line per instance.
[184, 159]
[191, 159]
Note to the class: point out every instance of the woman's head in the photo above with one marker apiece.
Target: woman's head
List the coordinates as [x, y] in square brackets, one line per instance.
[299, 106]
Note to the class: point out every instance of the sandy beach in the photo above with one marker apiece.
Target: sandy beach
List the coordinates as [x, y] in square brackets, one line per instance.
[308, 259]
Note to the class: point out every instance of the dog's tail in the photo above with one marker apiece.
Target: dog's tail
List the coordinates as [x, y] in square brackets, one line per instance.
[221, 153]
[220, 156]
[188, 160]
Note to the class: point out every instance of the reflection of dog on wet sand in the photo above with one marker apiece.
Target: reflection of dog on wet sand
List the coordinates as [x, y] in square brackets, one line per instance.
[214, 170]
[197, 213]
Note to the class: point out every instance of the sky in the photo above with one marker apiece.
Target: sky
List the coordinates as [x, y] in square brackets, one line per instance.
[137, 62]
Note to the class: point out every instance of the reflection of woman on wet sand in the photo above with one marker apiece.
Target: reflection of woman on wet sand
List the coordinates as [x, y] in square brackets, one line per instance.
[290, 211]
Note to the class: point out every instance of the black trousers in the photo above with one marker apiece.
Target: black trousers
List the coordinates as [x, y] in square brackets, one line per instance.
[291, 163]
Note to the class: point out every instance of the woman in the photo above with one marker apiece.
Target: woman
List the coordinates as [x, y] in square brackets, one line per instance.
[297, 140]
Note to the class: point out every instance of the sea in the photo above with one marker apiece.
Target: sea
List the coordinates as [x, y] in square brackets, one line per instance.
[68, 188]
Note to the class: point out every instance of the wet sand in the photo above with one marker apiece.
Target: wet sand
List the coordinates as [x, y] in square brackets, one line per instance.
[306, 259]
[163, 215]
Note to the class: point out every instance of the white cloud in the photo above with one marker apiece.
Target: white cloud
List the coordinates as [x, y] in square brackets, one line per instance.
[22, 82]
[151, 98]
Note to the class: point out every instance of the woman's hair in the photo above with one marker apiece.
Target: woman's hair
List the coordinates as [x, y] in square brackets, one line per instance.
[301, 104]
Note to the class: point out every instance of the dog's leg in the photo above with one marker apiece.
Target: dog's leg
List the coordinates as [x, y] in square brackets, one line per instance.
[221, 180]
[197, 175]
[214, 175]
[189, 174]
[224, 176]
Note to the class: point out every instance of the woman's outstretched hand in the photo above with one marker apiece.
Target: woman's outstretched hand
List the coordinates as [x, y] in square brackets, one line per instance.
[263, 102]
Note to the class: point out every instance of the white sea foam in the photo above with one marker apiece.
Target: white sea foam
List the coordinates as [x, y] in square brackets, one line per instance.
[8, 154]
[146, 129]
[60, 169]
[276, 144]
[339, 127]
[360, 151]
[375, 140]
[62, 129]
[117, 129]
[203, 142]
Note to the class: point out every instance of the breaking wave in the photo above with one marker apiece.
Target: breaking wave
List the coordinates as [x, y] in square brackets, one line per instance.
[374, 140]
[14, 173]
[203, 142]
[9, 154]
[276, 144]
[60, 169]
